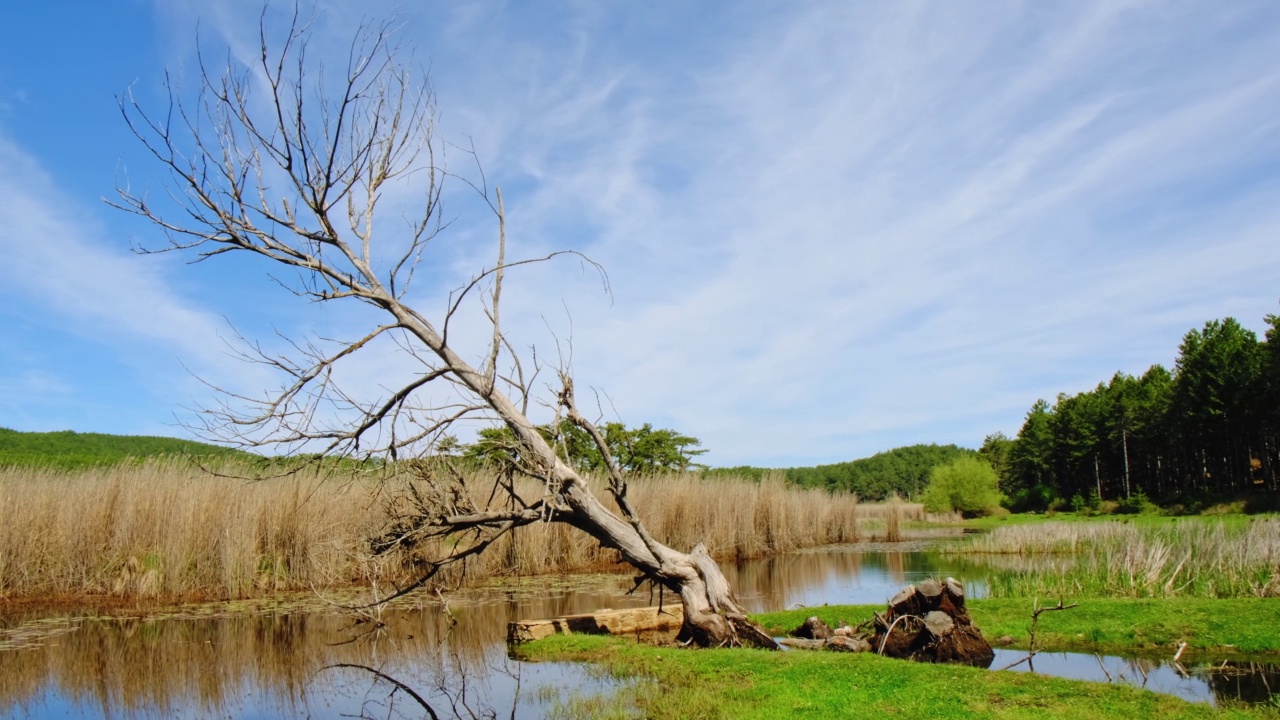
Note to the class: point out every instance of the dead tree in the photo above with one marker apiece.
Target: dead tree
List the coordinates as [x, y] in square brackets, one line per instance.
[278, 161]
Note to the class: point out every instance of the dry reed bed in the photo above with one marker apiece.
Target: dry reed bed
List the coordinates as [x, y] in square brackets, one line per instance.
[165, 529]
[1197, 558]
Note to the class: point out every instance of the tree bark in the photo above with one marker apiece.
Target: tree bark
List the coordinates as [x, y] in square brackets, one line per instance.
[712, 616]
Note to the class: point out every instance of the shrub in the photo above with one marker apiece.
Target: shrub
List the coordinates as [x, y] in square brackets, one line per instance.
[1037, 498]
[1136, 504]
[1080, 505]
[967, 485]
[1086, 506]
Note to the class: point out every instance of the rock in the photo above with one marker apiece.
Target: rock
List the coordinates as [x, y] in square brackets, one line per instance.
[814, 629]
[1004, 640]
[845, 631]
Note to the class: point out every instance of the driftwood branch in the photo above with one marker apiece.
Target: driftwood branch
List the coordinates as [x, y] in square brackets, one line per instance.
[1036, 611]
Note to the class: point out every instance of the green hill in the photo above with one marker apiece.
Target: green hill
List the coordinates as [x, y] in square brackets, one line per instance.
[903, 470]
[69, 449]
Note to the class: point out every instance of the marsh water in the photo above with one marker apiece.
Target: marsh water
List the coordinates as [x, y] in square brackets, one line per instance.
[303, 658]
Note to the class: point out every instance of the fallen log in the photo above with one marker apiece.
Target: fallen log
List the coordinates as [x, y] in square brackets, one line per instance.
[660, 621]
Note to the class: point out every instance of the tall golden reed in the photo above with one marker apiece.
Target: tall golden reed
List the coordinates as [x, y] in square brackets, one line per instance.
[166, 529]
[893, 521]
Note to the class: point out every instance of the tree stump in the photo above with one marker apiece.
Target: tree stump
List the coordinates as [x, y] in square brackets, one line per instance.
[813, 629]
[929, 623]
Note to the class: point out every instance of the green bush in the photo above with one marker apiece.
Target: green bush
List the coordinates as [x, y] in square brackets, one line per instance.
[967, 485]
[1086, 506]
[1038, 498]
[1136, 504]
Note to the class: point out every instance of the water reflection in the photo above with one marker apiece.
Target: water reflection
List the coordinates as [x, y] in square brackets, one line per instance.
[299, 663]
[1241, 681]
[280, 665]
[1249, 682]
[295, 663]
[846, 575]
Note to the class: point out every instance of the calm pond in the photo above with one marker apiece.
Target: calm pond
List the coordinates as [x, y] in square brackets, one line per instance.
[315, 662]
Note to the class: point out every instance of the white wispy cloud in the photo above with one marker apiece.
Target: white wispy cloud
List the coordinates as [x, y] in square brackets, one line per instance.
[865, 190]
[75, 277]
[837, 227]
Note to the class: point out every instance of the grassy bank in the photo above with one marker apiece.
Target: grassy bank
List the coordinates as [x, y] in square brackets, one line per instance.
[676, 683]
[1152, 557]
[672, 683]
[1103, 625]
[164, 529]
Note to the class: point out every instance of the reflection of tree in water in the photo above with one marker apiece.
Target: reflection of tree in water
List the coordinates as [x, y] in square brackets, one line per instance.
[396, 686]
[1249, 682]
[456, 678]
[446, 691]
[214, 666]
[220, 666]
[767, 583]
[774, 583]
[1228, 681]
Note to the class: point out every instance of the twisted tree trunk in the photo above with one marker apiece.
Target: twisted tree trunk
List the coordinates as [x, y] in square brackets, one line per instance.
[712, 616]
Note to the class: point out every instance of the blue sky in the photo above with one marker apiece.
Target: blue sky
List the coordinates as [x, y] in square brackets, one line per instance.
[830, 228]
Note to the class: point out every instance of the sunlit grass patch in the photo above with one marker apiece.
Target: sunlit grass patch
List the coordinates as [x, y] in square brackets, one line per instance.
[761, 684]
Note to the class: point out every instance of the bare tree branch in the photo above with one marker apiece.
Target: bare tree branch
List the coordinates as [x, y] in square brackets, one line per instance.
[283, 164]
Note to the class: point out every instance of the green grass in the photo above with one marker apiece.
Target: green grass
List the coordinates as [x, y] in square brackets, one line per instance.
[71, 450]
[678, 683]
[682, 683]
[1105, 625]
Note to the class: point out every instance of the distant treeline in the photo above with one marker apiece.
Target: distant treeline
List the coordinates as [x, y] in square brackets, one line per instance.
[1209, 429]
[904, 471]
[68, 449]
